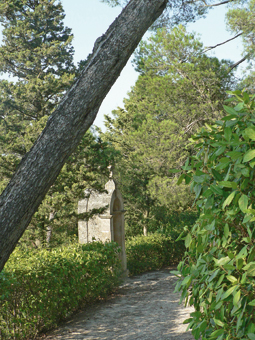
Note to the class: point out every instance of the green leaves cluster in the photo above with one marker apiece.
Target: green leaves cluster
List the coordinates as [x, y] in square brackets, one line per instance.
[178, 90]
[39, 290]
[218, 270]
[152, 252]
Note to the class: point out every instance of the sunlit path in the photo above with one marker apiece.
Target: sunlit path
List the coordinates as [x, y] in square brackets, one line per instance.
[145, 307]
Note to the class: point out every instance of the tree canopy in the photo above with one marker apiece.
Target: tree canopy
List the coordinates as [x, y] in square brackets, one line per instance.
[37, 51]
[179, 90]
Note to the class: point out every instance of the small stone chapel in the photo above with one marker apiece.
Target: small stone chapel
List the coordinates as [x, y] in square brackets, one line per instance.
[108, 226]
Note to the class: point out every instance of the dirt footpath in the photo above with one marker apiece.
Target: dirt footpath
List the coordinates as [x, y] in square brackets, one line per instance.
[144, 307]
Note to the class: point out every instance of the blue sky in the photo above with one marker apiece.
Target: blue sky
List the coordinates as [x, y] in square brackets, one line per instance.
[89, 19]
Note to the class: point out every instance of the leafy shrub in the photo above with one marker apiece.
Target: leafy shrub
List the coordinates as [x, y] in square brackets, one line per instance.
[39, 290]
[152, 252]
[218, 270]
[177, 221]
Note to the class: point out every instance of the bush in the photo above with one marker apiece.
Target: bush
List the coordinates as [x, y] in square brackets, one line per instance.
[177, 221]
[152, 252]
[47, 286]
[218, 271]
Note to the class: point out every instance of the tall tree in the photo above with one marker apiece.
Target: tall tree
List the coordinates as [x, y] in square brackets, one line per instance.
[240, 19]
[37, 51]
[76, 112]
[179, 90]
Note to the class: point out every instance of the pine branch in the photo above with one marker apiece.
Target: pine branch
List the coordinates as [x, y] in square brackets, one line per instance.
[238, 62]
[219, 4]
[224, 42]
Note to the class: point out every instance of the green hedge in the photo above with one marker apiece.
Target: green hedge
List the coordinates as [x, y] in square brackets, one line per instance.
[37, 291]
[152, 252]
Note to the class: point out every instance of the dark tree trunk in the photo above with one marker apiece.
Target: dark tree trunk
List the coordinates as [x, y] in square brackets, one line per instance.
[74, 115]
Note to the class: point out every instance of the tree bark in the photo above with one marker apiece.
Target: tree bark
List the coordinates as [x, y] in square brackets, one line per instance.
[49, 229]
[72, 118]
[145, 226]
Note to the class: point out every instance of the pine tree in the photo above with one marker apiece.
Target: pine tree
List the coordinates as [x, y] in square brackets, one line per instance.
[179, 90]
[37, 51]
[240, 19]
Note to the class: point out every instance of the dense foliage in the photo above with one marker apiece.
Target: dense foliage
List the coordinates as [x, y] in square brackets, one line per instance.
[152, 252]
[240, 20]
[178, 90]
[218, 270]
[38, 290]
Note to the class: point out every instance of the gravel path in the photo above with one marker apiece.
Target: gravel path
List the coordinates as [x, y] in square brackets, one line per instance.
[143, 308]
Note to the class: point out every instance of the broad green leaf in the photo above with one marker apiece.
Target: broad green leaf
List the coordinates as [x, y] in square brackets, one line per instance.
[231, 278]
[187, 321]
[230, 110]
[216, 333]
[216, 189]
[227, 133]
[220, 280]
[251, 328]
[246, 172]
[199, 179]
[188, 240]
[219, 323]
[180, 179]
[250, 154]
[186, 281]
[236, 298]
[251, 336]
[239, 263]
[197, 189]
[226, 230]
[222, 261]
[246, 97]
[251, 270]
[220, 150]
[247, 218]
[214, 275]
[217, 175]
[228, 292]
[174, 171]
[252, 303]
[228, 184]
[250, 132]
[229, 199]
[221, 166]
[244, 278]
[225, 159]
[234, 155]
[243, 203]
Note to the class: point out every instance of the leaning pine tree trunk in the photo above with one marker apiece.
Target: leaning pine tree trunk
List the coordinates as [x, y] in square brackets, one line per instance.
[65, 128]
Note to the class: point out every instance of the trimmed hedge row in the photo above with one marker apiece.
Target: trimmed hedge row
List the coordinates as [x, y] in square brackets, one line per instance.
[152, 252]
[38, 291]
